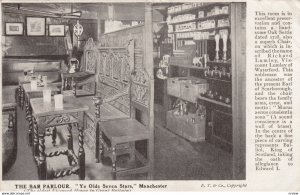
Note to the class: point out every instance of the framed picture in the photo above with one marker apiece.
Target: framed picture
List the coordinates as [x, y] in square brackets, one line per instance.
[14, 28]
[57, 30]
[36, 26]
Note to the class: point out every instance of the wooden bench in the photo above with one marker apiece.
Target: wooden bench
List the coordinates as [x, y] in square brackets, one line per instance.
[119, 122]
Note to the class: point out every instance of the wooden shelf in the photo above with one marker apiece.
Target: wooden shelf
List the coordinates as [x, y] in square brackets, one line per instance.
[214, 101]
[220, 80]
[197, 8]
[201, 30]
[188, 66]
[219, 62]
[219, 16]
[192, 38]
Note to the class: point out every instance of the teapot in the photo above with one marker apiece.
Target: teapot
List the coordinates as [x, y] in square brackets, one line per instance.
[73, 65]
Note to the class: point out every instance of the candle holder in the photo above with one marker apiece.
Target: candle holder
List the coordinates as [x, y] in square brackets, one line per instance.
[225, 37]
[217, 39]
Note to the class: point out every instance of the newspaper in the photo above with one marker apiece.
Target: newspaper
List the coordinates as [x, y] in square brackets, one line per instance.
[265, 106]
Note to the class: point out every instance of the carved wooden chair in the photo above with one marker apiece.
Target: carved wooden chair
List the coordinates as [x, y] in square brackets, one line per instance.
[133, 130]
[83, 83]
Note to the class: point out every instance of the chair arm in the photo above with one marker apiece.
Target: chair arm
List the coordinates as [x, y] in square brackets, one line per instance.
[121, 93]
[98, 101]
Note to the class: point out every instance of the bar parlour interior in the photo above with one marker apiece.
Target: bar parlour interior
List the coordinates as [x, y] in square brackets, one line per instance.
[123, 91]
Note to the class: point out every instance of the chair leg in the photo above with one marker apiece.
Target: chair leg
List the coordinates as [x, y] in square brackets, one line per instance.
[150, 158]
[81, 155]
[132, 151]
[101, 149]
[70, 142]
[114, 166]
[19, 95]
[97, 143]
[27, 109]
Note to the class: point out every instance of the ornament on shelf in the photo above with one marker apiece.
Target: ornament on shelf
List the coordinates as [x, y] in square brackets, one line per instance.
[73, 65]
[217, 39]
[225, 37]
[162, 72]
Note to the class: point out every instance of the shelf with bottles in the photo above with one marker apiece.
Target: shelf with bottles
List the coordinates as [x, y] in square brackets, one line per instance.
[202, 20]
[219, 16]
[218, 73]
[192, 7]
[189, 66]
[201, 30]
[215, 98]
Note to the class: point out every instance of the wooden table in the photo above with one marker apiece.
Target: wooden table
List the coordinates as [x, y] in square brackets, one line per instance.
[46, 115]
[27, 94]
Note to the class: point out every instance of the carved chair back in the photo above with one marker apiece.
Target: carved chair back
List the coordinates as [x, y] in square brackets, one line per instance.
[90, 57]
[123, 85]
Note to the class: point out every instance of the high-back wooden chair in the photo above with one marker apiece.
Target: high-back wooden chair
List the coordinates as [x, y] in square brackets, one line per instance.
[83, 82]
[133, 130]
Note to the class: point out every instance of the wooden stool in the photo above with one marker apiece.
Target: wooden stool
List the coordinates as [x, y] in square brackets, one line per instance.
[124, 131]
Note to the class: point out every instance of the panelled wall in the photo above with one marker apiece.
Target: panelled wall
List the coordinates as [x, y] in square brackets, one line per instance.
[119, 39]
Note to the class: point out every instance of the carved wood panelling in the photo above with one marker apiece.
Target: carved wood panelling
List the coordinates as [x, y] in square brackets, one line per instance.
[60, 119]
[90, 56]
[121, 38]
[140, 87]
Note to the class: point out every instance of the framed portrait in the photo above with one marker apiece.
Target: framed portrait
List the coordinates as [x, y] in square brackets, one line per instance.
[57, 30]
[14, 28]
[36, 26]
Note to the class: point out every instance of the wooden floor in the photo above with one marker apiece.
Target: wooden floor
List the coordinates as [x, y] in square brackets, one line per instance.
[175, 158]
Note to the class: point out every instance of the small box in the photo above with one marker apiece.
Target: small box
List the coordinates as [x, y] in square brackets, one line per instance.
[190, 126]
[173, 85]
[191, 89]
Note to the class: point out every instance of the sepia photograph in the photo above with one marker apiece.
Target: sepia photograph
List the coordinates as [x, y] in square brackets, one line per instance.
[124, 91]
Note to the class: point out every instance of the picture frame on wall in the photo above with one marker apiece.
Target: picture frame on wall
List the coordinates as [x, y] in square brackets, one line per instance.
[36, 26]
[14, 28]
[56, 30]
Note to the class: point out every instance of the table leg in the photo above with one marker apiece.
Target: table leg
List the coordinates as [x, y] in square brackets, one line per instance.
[30, 129]
[35, 138]
[70, 143]
[22, 98]
[114, 166]
[54, 136]
[27, 108]
[81, 155]
[42, 166]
